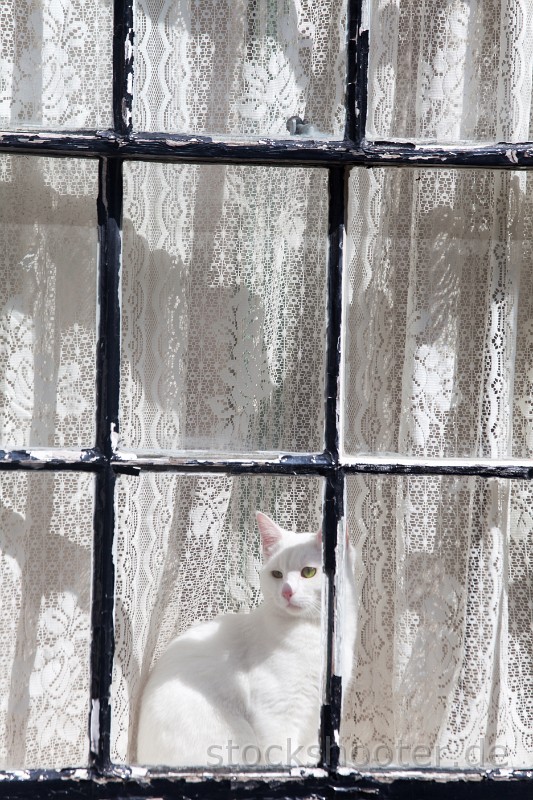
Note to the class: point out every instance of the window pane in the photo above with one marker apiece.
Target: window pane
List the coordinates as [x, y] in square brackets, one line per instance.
[240, 66]
[439, 347]
[45, 619]
[223, 319]
[451, 71]
[48, 254]
[55, 64]
[444, 654]
[188, 549]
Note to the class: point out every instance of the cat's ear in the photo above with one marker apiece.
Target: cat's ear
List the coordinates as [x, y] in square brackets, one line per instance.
[271, 534]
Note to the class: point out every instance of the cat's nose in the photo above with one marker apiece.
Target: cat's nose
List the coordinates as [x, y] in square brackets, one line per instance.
[287, 591]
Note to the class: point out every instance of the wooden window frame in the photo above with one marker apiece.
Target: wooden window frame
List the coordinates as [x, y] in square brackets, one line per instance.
[102, 778]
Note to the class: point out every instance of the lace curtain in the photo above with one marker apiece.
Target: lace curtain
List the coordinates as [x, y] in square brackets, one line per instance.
[48, 262]
[450, 71]
[438, 362]
[222, 332]
[223, 336]
[244, 67]
[55, 64]
[439, 359]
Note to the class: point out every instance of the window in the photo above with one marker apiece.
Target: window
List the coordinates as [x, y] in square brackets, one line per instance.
[267, 255]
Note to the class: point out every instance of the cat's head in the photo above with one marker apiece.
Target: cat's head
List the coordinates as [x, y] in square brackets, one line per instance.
[291, 578]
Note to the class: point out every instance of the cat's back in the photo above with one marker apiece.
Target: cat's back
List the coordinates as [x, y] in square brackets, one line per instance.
[206, 645]
[204, 652]
[196, 685]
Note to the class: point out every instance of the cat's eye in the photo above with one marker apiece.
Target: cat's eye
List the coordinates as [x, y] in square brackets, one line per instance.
[276, 573]
[308, 572]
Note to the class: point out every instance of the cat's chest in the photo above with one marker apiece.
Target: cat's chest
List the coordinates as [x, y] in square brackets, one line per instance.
[289, 664]
[284, 697]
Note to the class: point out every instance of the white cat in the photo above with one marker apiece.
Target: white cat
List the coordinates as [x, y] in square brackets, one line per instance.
[245, 688]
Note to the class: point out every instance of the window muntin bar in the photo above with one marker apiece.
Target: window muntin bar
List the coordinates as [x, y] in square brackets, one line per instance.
[108, 380]
[191, 149]
[401, 465]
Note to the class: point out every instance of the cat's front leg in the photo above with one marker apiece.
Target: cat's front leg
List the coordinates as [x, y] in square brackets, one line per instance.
[285, 744]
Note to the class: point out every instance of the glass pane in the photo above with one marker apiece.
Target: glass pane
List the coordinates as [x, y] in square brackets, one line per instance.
[439, 346]
[240, 67]
[45, 619]
[48, 260]
[189, 550]
[450, 71]
[56, 64]
[444, 654]
[223, 320]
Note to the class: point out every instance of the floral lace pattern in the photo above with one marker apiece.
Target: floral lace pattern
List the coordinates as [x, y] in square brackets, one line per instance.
[439, 301]
[45, 625]
[224, 332]
[239, 67]
[193, 553]
[55, 64]
[47, 302]
[444, 644]
[450, 70]
[437, 362]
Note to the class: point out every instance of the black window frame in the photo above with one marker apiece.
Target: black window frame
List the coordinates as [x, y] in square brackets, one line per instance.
[112, 147]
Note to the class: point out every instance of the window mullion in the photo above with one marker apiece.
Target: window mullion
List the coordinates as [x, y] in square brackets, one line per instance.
[337, 212]
[108, 373]
[331, 709]
[333, 505]
[357, 72]
[123, 66]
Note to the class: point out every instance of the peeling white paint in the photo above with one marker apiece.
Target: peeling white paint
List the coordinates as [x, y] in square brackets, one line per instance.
[202, 458]
[55, 455]
[307, 772]
[240, 777]
[124, 455]
[409, 774]
[19, 774]
[138, 772]
[115, 438]
[80, 775]
[49, 136]
[95, 725]
[173, 143]
[512, 156]
[429, 157]
[129, 52]
[365, 16]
